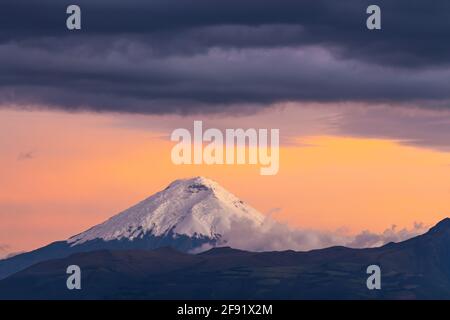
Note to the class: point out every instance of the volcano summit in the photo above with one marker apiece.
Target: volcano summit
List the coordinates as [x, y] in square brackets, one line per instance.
[188, 215]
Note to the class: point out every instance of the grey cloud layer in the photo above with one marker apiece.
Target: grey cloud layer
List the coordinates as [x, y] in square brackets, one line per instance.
[407, 125]
[173, 56]
[415, 31]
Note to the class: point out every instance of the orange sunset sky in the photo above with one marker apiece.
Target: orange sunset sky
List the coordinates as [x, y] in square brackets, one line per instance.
[363, 113]
[61, 173]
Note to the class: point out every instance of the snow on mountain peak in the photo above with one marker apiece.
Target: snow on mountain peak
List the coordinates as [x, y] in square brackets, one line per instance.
[196, 207]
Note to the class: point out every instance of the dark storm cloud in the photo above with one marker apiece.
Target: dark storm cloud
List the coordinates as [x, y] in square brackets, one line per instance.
[164, 56]
[415, 32]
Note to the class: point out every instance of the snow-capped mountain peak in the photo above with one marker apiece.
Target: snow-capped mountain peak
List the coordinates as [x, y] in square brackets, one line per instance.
[196, 208]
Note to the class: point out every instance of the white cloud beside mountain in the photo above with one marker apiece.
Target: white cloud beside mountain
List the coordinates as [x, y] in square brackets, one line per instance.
[276, 236]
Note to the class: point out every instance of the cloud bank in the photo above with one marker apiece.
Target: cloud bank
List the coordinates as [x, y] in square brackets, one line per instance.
[200, 56]
[277, 236]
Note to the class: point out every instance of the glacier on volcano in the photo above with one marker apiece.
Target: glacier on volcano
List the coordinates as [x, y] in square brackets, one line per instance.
[196, 208]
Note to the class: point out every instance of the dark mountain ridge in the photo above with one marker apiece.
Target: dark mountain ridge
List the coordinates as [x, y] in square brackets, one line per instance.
[418, 268]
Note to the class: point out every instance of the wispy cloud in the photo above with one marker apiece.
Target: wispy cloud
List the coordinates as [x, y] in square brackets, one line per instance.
[26, 155]
[411, 126]
[369, 239]
[4, 250]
